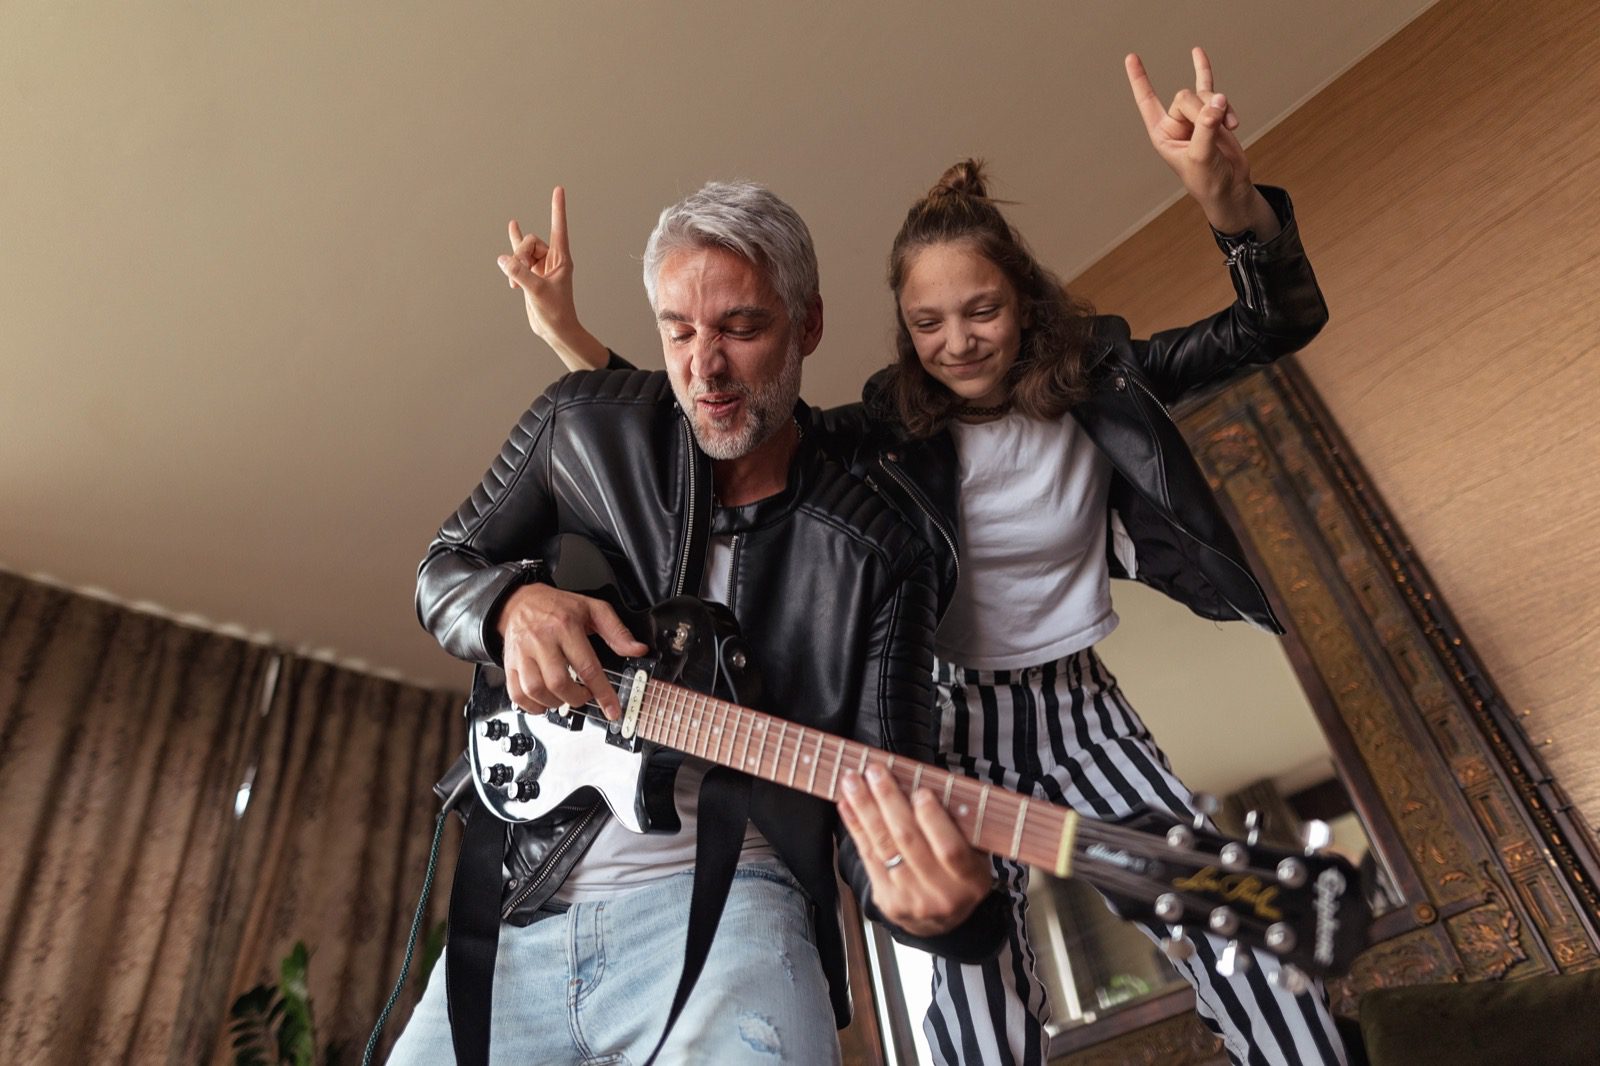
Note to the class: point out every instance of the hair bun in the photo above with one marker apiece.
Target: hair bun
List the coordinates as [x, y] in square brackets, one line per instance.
[963, 179]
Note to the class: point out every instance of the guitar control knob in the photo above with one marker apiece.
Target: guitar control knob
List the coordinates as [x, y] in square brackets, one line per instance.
[526, 790]
[1292, 872]
[1168, 907]
[1291, 979]
[498, 775]
[1234, 960]
[1280, 937]
[1223, 922]
[495, 729]
[517, 744]
[1235, 856]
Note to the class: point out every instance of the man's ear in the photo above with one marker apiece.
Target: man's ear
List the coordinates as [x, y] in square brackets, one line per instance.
[811, 336]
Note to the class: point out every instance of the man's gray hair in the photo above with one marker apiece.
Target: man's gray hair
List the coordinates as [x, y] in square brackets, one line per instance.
[750, 221]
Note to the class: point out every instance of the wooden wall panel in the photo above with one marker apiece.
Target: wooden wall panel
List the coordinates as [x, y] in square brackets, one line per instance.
[1448, 187]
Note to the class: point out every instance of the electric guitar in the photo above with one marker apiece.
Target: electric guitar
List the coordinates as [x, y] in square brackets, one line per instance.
[1307, 908]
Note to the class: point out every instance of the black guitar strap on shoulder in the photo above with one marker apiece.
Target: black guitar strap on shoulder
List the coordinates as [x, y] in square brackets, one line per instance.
[724, 811]
[474, 933]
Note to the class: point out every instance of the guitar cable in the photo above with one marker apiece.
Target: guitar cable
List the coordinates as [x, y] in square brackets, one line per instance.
[461, 789]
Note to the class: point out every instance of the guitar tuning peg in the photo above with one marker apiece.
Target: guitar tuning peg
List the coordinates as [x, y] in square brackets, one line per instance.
[1169, 908]
[1223, 922]
[1178, 947]
[1234, 960]
[1291, 979]
[1292, 872]
[1252, 827]
[1205, 805]
[1280, 937]
[1234, 856]
[1315, 835]
[1180, 837]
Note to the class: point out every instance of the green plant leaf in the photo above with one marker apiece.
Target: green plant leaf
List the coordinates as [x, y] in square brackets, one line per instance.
[254, 1019]
[297, 1042]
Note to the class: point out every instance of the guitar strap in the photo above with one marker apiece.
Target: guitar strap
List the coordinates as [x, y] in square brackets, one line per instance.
[724, 810]
[474, 933]
[474, 927]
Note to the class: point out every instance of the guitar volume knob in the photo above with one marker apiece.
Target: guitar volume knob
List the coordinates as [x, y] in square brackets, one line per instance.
[495, 729]
[498, 775]
[518, 744]
[526, 790]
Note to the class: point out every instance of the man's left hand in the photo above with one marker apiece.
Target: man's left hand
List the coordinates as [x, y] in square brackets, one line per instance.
[925, 877]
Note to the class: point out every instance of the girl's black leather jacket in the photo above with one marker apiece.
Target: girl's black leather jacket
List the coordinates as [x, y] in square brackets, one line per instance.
[1180, 542]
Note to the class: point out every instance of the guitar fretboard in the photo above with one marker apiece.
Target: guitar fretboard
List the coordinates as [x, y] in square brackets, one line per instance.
[774, 749]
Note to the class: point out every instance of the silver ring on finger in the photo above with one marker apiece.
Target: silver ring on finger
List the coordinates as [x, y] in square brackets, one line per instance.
[894, 860]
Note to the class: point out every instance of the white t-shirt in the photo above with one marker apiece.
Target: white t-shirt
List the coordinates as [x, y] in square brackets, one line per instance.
[1034, 583]
[621, 860]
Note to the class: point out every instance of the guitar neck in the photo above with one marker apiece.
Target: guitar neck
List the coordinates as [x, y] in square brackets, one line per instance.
[774, 749]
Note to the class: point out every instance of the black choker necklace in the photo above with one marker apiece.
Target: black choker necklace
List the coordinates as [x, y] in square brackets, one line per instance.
[968, 410]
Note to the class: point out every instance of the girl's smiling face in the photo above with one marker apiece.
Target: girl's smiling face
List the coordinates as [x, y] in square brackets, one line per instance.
[964, 320]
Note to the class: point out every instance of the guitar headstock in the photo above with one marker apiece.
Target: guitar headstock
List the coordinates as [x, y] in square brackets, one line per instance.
[1305, 907]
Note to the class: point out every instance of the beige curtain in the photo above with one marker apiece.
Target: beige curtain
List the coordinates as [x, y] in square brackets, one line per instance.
[123, 739]
[336, 841]
[137, 899]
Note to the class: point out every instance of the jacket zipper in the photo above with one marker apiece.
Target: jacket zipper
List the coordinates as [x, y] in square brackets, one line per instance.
[688, 529]
[549, 863]
[916, 498]
[1239, 262]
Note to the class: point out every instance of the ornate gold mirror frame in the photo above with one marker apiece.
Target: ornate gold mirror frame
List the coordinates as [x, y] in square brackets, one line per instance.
[1497, 871]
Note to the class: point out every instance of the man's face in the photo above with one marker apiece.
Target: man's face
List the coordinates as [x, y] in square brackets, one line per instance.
[732, 353]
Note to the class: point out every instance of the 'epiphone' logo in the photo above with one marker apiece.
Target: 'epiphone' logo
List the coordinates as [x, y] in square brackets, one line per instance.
[1234, 888]
[1117, 857]
[1330, 890]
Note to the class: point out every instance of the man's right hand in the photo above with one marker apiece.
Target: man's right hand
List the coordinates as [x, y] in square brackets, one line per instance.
[545, 631]
[544, 274]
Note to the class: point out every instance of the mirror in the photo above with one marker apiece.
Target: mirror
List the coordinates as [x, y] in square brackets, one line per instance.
[1378, 720]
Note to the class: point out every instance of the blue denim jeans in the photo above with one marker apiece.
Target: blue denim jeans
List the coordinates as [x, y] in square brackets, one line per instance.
[592, 986]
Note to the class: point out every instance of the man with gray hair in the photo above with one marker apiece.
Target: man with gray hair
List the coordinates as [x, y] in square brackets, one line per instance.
[702, 480]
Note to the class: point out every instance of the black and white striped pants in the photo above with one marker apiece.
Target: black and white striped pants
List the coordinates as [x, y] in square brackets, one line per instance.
[1064, 732]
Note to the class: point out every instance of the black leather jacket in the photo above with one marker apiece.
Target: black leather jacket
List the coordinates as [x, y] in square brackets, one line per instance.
[831, 587]
[1180, 542]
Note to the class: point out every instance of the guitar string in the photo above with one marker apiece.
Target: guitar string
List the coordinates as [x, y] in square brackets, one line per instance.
[670, 699]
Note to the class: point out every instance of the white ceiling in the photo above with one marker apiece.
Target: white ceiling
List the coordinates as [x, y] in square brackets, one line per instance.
[255, 345]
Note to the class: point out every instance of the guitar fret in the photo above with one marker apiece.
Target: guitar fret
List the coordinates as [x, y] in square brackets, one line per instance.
[744, 755]
[1022, 817]
[777, 756]
[811, 785]
[949, 783]
[794, 763]
[863, 767]
[916, 779]
[833, 782]
[762, 750]
[983, 805]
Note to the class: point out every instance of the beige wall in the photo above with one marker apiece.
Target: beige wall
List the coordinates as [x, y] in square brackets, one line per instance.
[1448, 187]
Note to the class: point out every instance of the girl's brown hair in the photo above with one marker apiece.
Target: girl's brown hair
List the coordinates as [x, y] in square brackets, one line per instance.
[1049, 375]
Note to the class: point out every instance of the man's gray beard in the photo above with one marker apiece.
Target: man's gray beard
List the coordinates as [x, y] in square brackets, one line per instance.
[766, 409]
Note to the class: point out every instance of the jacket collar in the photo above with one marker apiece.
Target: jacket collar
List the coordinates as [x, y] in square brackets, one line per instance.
[775, 508]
